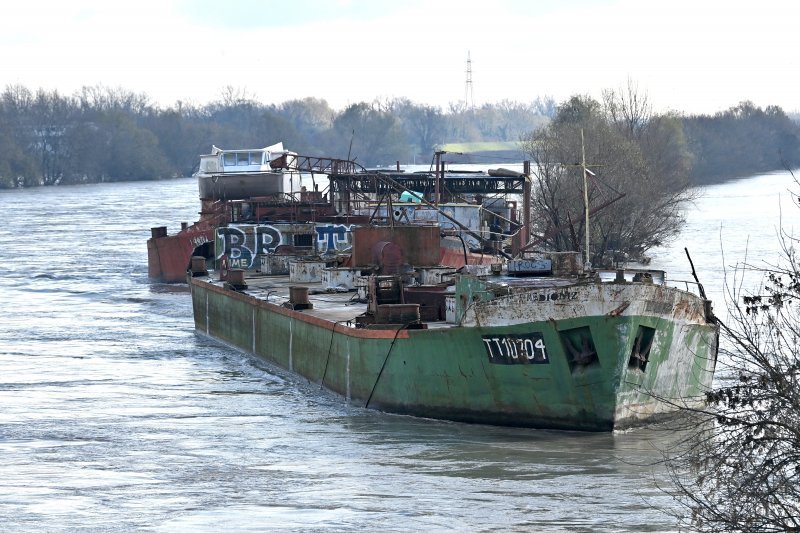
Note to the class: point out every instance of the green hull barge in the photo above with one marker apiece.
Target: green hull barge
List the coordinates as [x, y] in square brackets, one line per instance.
[586, 352]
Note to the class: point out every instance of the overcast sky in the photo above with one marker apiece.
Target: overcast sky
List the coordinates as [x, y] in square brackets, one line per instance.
[693, 56]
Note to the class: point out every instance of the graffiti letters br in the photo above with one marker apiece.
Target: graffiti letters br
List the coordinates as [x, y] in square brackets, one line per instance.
[242, 244]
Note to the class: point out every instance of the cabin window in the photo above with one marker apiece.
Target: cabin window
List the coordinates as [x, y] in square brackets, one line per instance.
[642, 344]
[229, 160]
[579, 347]
[304, 240]
[256, 158]
[243, 159]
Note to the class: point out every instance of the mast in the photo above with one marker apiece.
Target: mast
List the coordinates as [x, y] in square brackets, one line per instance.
[587, 265]
[439, 177]
[526, 205]
[469, 99]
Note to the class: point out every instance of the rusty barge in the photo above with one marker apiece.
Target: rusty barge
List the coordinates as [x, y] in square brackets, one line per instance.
[561, 350]
[367, 306]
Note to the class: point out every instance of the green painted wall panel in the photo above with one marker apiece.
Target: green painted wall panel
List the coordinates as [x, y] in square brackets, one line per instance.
[447, 373]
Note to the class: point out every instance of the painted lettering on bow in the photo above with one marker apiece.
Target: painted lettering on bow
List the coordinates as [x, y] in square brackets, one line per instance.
[198, 240]
[516, 349]
[549, 296]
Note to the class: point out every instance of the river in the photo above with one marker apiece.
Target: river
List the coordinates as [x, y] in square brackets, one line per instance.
[116, 415]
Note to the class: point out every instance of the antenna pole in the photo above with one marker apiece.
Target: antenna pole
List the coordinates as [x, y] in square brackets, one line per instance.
[469, 99]
[588, 265]
[439, 176]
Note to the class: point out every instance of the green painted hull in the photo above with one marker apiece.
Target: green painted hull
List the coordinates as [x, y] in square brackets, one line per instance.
[460, 373]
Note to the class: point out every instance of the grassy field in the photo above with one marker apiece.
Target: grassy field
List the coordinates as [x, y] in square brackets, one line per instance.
[498, 146]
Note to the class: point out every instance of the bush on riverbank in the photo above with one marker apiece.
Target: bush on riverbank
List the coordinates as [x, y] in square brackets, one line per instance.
[739, 468]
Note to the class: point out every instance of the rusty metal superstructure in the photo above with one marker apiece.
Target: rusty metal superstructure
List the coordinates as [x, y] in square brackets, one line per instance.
[247, 210]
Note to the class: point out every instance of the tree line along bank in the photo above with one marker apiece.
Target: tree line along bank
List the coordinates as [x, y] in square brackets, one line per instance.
[103, 134]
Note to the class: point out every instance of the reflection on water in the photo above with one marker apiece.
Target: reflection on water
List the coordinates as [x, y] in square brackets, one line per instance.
[116, 415]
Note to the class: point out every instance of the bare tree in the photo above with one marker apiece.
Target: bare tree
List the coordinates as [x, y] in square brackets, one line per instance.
[635, 206]
[98, 98]
[231, 96]
[629, 109]
[740, 471]
[52, 114]
[556, 193]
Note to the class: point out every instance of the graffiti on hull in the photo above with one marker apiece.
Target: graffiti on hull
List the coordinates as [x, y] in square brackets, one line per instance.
[242, 244]
[333, 238]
